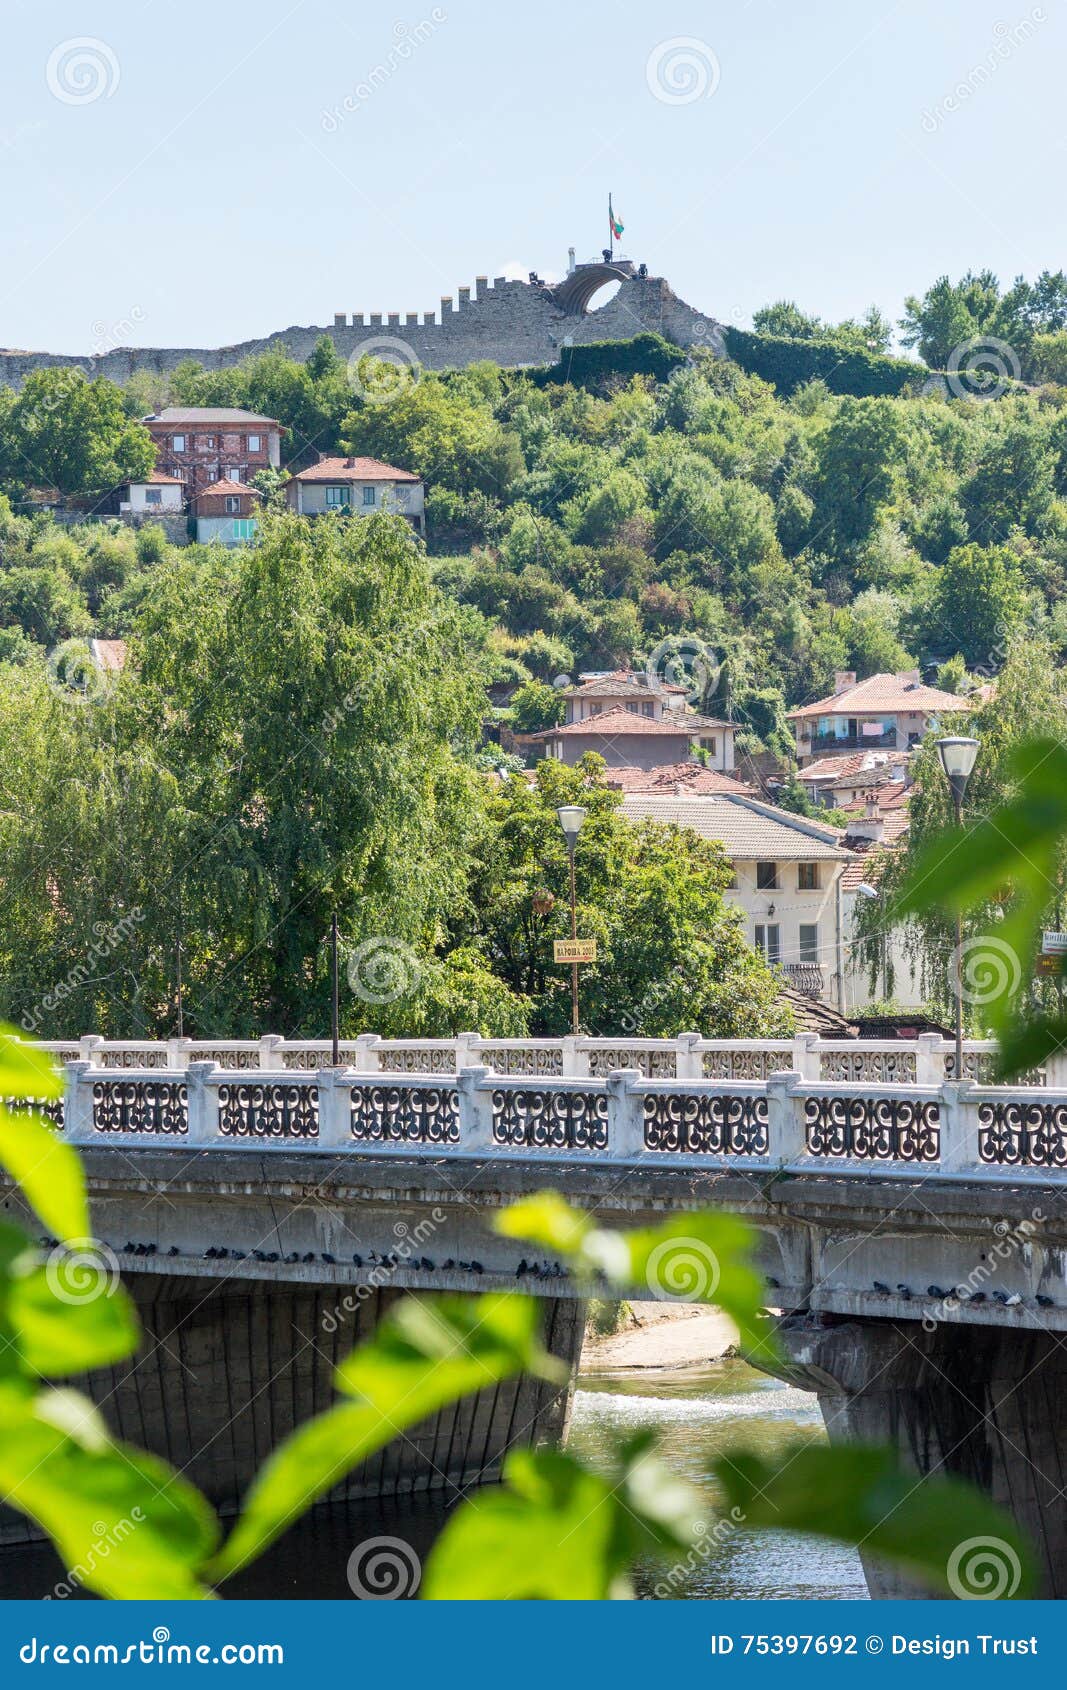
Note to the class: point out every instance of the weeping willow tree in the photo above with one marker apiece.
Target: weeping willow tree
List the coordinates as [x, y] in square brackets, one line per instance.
[1028, 698]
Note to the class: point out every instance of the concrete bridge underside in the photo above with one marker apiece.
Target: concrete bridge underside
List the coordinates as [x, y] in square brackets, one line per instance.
[255, 1270]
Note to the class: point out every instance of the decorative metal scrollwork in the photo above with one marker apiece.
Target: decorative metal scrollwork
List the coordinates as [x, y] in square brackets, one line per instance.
[539, 1064]
[1023, 1135]
[158, 1107]
[602, 1062]
[877, 1067]
[419, 1061]
[405, 1115]
[119, 1058]
[239, 1059]
[742, 1064]
[873, 1129]
[269, 1111]
[551, 1120]
[706, 1126]
[50, 1107]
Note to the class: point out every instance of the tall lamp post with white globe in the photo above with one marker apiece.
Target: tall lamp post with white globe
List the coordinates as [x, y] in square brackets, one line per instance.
[957, 756]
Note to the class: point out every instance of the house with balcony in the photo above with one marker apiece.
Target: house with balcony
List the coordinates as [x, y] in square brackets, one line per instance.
[634, 720]
[149, 498]
[200, 445]
[357, 487]
[882, 713]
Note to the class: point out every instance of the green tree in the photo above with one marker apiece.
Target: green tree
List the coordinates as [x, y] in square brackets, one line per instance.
[976, 605]
[672, 952]
[63, 430]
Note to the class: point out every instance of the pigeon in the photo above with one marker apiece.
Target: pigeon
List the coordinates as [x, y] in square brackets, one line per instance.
[1000, 1296]
[905, 1292]
[310, 1256]
[174, 1251]
[259, 1256]
[426, 1264]
[1013, 1301]
[978, 1297]
[521, 1269]
[238, 1255]
[934, 1291]
[883, 1290]
[292, 1257]
[1043, 1301]
[357, 1261]
[328, 1258]
[774, 1283]
[476, 1267]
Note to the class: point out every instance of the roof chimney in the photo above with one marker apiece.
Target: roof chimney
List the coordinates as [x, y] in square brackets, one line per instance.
[868, 828]
[844, 678]
[909, 678]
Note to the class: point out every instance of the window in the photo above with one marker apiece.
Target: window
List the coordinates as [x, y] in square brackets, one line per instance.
[178, 443]
[808, 877]
[207, 441]
[235, 473]
[809, 943]
[766, 877]
[768, 941]
[710, 744]
[153, 496]
[648, 709]
[233, 504]
[255, 443]
[368, 495]
[336, 496]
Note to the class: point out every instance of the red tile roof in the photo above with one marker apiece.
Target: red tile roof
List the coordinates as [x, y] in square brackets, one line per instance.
[227, 486]
[881, 692]
[620, 682]
[613, 724]
[873, 766]
[205, 416]
[354, 469]
[158, 479]
[675, 777]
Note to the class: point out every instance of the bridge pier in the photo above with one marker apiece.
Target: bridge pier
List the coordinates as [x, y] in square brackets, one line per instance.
[981, 1402]
[227, 1368]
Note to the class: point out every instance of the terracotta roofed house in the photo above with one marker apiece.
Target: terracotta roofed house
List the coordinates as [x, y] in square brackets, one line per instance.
[884, 712]
[360, 486]
[202, 444]
[635, 720]
[226, 511]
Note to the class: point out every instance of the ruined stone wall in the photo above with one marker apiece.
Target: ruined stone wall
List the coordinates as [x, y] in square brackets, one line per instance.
[510, 323]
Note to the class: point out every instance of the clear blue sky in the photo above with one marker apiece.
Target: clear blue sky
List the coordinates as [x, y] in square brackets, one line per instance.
[210, 196]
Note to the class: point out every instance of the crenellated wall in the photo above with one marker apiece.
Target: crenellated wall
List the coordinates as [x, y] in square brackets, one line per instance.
[510, 323]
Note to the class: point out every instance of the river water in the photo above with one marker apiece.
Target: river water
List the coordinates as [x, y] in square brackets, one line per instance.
[699, 1414]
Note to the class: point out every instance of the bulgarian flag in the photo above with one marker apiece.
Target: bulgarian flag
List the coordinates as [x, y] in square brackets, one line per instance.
[616, 226]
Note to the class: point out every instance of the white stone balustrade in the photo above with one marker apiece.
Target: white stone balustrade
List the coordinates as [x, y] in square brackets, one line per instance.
[790, 1120]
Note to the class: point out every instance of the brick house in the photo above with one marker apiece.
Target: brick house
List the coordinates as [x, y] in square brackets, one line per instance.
[226, 511]
[359, 486]
[203, 444]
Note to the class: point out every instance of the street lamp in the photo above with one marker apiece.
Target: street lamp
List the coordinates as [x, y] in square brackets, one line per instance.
[571, 817]
[957, 756]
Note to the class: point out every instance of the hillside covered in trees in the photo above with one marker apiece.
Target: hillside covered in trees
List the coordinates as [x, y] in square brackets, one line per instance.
[637, 496]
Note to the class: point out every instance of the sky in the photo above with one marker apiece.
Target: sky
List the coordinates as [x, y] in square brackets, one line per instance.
[197, 175]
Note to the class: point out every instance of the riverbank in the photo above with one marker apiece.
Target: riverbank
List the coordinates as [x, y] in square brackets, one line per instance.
[660, 1335]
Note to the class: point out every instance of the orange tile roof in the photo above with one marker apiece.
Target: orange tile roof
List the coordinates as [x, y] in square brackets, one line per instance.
[841, 771]
[354, 469]
[881, 692]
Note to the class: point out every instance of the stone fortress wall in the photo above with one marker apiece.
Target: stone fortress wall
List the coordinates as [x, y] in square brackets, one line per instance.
[511, 323]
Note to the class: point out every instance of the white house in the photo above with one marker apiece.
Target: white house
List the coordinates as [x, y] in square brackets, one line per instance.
[787, 880]
[159, 493]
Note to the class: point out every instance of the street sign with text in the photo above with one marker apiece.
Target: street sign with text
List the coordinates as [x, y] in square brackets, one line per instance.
[574, 950]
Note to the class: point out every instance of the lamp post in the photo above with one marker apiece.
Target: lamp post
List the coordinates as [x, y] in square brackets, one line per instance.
[335, 1020]
[957, 759]
[571, 817]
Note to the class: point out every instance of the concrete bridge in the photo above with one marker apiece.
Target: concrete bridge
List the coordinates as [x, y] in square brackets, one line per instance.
[912, 1231]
